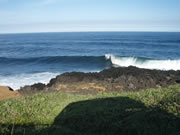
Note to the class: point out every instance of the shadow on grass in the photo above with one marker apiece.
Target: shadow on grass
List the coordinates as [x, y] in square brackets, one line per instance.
[111, 116]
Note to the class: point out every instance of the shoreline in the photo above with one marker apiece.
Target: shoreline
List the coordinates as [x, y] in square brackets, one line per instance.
[114, 79]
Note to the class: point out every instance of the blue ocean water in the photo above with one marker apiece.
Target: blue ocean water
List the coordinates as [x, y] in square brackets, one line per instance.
[30, 58]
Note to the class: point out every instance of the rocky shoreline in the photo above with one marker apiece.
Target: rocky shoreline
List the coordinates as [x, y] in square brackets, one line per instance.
[114, 79]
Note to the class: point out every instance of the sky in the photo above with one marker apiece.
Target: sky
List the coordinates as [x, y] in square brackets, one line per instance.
[23, 16]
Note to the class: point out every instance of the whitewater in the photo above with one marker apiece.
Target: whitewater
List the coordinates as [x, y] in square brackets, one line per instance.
[143, 62]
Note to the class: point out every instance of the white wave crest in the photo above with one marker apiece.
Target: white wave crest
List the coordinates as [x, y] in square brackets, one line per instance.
[19, 80]
[148, 64]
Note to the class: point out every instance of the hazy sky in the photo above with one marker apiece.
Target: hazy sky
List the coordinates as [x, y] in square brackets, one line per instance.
[89, 15]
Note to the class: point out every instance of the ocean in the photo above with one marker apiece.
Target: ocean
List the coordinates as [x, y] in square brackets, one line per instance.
[26, 59]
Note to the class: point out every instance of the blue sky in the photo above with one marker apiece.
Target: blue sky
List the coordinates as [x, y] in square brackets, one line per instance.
[89, 15]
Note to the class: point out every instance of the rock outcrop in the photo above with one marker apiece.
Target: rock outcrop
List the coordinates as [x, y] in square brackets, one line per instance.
[114, 79]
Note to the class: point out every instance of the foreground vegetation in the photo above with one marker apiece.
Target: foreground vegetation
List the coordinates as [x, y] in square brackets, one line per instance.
[148, 112]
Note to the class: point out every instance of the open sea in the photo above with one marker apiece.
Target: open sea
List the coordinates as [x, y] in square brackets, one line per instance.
[30, 58]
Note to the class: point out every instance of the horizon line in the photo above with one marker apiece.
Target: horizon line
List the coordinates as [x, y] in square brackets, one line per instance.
[86, 32]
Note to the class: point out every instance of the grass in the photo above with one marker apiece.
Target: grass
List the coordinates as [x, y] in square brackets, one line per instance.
[148, 112]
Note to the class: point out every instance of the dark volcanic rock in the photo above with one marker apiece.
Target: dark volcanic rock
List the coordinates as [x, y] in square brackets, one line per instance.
[114, 79]
[33, 88]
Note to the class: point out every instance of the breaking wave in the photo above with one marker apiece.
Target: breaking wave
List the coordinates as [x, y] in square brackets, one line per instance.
[143, 62]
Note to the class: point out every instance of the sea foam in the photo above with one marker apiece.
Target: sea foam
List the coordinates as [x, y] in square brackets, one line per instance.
[143, 62]
[19, 80]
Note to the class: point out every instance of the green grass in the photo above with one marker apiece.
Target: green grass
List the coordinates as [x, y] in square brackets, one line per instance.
[148, 112]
